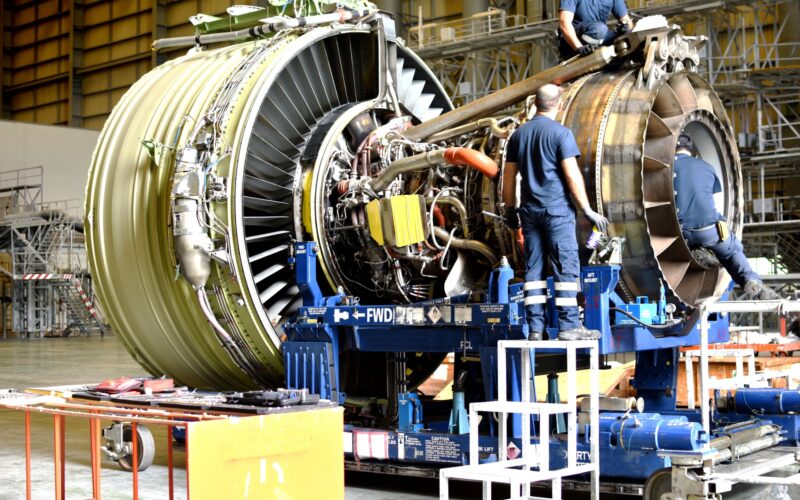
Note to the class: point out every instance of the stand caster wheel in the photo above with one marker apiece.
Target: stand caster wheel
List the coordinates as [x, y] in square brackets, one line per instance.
[659, 483]
[119, 446]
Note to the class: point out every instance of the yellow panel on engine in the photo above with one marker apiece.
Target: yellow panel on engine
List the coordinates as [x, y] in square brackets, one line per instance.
[398, 221]
[404, 220]
[307, 202]
[375, 221]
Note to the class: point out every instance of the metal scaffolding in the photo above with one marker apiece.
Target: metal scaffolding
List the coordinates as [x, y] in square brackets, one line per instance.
[48, 259]
[759, 75]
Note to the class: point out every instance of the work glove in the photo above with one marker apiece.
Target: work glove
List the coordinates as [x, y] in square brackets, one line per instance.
[587, 49]
[622, 29]
[597, 220]
[511, 218]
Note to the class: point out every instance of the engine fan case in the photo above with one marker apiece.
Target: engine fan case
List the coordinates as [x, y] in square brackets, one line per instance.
[270, 96]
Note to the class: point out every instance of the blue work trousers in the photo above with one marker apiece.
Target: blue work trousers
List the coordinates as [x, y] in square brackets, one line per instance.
[550, 232]
[595, 33]
[729, 253]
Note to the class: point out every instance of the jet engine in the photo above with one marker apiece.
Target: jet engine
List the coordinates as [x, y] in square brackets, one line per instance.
[213, 164]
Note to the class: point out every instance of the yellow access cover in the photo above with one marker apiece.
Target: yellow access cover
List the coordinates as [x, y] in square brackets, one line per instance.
[374, 221]
[406, 218]
[398, 221]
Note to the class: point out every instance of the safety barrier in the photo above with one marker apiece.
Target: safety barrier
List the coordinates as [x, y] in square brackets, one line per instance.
[61, 408]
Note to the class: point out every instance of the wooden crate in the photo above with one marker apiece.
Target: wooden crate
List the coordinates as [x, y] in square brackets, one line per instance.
[724, 367]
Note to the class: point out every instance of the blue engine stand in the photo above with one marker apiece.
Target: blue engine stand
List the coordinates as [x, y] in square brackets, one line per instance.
[326, 326]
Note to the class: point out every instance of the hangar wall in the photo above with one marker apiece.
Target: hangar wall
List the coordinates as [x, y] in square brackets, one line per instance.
[65, 154]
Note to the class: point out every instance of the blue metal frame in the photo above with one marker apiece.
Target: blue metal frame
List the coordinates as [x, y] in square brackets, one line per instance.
[325, 326]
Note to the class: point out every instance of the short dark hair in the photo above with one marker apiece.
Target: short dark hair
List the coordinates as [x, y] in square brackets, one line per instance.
[685, 142]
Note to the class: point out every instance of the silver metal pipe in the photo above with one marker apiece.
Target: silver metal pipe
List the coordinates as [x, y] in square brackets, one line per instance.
[224, 337]
[409, 164]
[475, 245]
[455, 203]
[455, 156]
[747, 435]
[270, 25]
[749, 448]
[495, 129]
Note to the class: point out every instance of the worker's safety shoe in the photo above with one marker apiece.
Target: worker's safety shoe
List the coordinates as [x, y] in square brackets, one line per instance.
[755, 290]
[705, 257]
[580, 333]
[535, 336]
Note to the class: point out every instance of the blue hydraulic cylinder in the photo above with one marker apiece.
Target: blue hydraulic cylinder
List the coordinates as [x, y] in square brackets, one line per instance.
[651, 431]
[498, 282]
[409, 412]
[766, 400]
[459, 419]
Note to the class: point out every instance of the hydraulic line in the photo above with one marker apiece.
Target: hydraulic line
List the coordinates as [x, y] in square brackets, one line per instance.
[225, 338]
[453, 202]
[490, 123]
[475, 245]
[648, 325]
[272, 25]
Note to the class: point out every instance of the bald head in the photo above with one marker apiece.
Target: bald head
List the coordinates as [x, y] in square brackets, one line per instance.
[547, 97]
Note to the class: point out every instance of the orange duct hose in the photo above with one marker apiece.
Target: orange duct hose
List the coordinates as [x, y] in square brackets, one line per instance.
[439, 216]
[471, 158]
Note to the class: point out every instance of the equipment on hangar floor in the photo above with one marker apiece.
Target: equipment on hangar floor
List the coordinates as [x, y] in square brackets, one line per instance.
[245, 169]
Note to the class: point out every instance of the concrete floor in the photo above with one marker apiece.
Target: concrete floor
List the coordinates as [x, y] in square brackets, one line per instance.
[47, 362]
[77, 360]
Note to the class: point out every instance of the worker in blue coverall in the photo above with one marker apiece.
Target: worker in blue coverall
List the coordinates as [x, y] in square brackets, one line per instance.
[582, 25]
[544, 152]
[702, 225]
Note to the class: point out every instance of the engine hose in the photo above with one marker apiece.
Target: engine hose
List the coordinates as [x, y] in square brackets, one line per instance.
[455, 156]
[225, 338]
[655, 327]
[471, 158]
[460, 243]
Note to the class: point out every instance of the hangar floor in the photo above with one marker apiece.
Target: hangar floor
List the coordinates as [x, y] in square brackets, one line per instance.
[47, 362]
[38, 363]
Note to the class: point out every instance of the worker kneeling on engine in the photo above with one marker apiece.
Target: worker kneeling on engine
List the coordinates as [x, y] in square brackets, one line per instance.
[544, 152]
[703, 226]
[582, 25]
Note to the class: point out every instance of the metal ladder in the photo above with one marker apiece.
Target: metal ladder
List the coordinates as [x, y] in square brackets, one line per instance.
[534, 463]
[80, 311]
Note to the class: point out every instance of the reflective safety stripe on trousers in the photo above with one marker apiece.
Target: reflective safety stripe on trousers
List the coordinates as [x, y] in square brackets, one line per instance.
[566, 293]
[535, 292]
